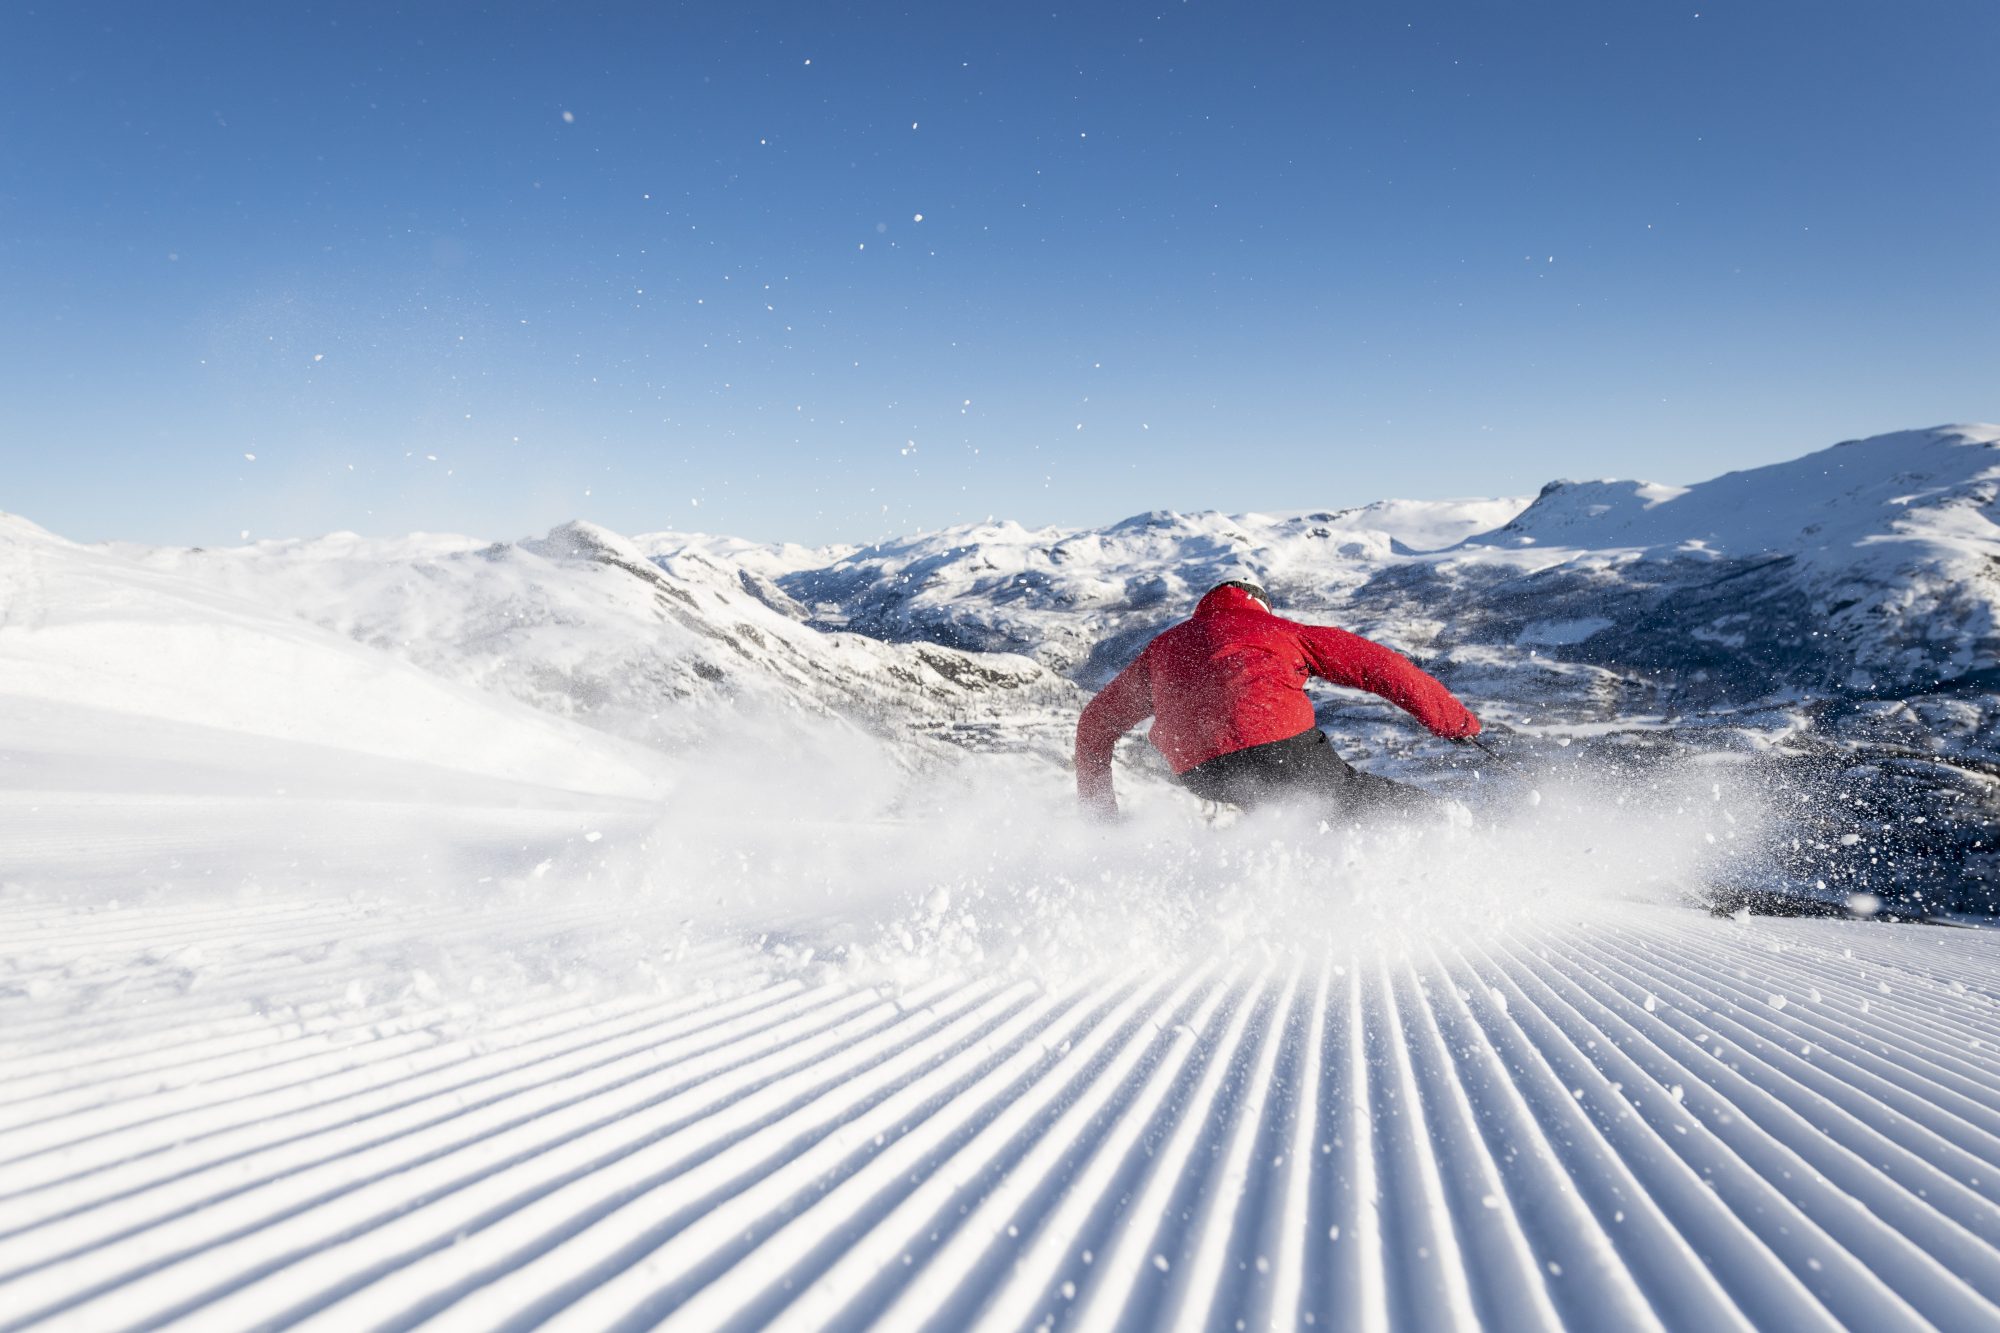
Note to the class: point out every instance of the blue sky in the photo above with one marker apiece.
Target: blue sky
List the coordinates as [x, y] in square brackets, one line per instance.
[483, 269]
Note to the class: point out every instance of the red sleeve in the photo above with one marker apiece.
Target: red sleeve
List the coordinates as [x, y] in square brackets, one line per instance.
[1120, 706]
[1350, 660]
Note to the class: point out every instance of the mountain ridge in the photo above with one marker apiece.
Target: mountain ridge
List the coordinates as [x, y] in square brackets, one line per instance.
[1840, 610]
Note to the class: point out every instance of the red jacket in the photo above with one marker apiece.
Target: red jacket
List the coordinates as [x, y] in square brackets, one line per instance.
[1234, 676]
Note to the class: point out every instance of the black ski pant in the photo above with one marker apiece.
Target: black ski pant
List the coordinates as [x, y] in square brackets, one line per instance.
[1302, 769]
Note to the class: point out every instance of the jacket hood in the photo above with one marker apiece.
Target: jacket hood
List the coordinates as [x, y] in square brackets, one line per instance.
[1229, 599]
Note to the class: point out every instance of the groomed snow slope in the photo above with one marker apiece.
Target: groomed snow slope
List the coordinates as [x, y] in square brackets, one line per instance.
[341, 988]
[219, 1119]
[295, 1039]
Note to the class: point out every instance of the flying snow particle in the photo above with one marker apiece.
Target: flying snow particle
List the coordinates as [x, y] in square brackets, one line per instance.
[249, 458]
[918, 218]
[1160, 1262]
[569, 117]
[319, 356]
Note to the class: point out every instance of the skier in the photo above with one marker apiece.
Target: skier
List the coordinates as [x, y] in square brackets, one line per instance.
[1226, 690]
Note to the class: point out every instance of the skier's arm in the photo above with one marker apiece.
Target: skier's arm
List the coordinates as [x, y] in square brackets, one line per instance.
[1123, 704]
[1350, 660]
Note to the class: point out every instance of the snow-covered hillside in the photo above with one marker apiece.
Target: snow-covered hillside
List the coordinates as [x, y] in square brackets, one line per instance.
[669, 652]
[1831, 619]
[1058, 595]
[1873, 565]
[591, 932]
[91, 632]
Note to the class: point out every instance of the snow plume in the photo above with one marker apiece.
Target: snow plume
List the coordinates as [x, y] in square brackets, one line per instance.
[987, 866]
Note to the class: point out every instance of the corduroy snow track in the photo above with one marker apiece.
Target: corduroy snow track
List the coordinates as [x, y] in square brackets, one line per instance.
[1647, 1117]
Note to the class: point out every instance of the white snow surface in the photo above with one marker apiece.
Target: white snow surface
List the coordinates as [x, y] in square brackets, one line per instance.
[89, 629]
[1380, 1080]
[439, 933]
[1938, 486]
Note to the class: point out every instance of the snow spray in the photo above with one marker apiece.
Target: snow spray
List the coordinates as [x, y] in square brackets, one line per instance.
[988, 866]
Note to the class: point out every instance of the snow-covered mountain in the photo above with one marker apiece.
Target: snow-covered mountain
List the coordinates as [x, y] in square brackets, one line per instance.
[1841, 610]
[1836, 616]
[91, 635]
[1062, 595]
[667, 652]
[1870, 566]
